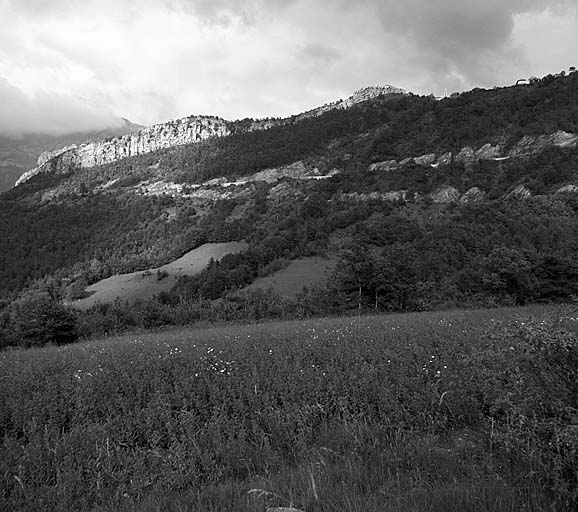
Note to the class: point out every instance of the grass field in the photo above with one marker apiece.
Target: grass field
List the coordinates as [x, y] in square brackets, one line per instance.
[445, 411]
[146, 284]
[289, 281]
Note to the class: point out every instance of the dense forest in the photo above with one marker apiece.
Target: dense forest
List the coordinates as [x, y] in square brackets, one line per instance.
[61, 233]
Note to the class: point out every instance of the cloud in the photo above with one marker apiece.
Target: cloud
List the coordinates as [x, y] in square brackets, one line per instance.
[67, 62]
[319, 53]
[227, 12]
[467, 40]
[48, 112]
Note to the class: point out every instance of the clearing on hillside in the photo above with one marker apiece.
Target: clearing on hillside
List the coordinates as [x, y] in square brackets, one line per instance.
[289, 281]
[145, 284]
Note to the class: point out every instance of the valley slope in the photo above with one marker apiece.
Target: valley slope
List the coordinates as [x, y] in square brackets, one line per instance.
[470, 200]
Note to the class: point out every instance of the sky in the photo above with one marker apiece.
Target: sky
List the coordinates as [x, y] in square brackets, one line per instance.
[79, 65]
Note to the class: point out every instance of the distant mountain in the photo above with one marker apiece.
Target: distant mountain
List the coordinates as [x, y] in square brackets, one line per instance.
[19, 154]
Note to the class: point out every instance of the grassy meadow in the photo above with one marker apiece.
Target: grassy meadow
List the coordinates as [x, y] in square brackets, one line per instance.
[444, 411]
[289, 281]
[148, 283]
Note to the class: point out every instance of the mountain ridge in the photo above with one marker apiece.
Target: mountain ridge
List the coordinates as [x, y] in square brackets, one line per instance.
[186, 130]
[181, 131]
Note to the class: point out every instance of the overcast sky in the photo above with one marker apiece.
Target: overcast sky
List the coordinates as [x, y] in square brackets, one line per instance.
[79, 64]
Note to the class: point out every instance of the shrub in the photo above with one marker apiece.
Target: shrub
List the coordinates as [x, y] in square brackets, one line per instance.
[38, 319]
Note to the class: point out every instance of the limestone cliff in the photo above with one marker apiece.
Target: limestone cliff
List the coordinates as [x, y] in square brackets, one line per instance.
[174, 133]
[49, 155]
[359, 96]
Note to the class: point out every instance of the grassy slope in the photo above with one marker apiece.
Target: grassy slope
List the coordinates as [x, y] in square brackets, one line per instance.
[435, 411]
[289, 281]
[146, 284]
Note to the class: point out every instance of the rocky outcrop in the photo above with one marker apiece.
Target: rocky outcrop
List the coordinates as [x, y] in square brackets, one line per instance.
[425, 159]
[530, 145]
[388, 165]
[393, 196]
[520, 192]
[567, 189]
[48, 155]
[359, 96]
[222, 188]
[466, 155]
[297, 170]
[294, 170]
[563, 139]
[161, 136]
[487, 152]
[447, 194]
[371, 92]
[445, 159]
[285, 192]
[210, 194]
[526, 146]
[474, 195]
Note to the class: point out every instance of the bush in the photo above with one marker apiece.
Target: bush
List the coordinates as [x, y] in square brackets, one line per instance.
[36, 320]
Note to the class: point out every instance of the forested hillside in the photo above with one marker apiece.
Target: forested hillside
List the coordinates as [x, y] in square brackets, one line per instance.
[496, 226]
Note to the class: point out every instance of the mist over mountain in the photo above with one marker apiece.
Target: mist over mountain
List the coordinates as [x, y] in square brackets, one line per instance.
[20, 152]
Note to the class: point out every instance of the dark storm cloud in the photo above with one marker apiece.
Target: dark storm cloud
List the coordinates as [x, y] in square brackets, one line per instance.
[466, 38]
[47, 113]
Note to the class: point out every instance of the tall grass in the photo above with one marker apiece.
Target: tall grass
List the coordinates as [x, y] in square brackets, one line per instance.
[436, 411]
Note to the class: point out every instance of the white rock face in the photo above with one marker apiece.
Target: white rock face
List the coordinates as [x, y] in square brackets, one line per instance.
[567, 189]
[447, 194]
[359, 96]
[474, 195]
[297, 170]
[466, 155]
[174, 133]
[47, 155]
[563, 139]
[388, 165]
[529, 144]
[368, 93]
[294, 170]
[425, 159]
[488, 152]
[445, 159]
[520, 192]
